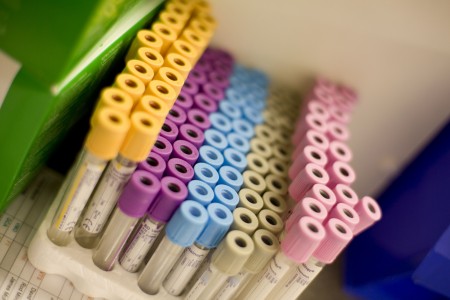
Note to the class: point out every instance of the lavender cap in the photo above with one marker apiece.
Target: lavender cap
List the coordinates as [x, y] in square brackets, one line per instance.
[198, 118]
[192, 134]
[219, 80]
[139, 194]
[169, 130]
[162, 147]
[197, 76]
[203, 65]
[213, 91]
[172, 193]
[205, 103]
[177, 115]
[186, 151]
[180, 169]
[190, 87]
[154, 164]
[184, 101]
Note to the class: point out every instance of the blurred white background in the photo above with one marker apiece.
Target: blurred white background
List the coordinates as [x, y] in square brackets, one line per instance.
[395, 53]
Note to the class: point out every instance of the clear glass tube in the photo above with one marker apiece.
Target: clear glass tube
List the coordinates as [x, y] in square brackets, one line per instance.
[136, 250]
[234, 285]
[113, 240]
[103, 201]
[74, 194]
[297, 280]
[208, 284]
[185, 268]
[159, 265]
[265, 281]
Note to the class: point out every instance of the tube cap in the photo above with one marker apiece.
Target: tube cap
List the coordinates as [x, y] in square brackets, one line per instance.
[233, 252]
[161, 90]
[314, 138]
[141, 136]
[198, 118]
[220, 122]
[269, 220]
[339, 151]
[192, 134]
[184, 100]
[184, 49]
[261, 148]
[139, 69]
[206, 173]
[172, 193]
[310, 175]
[205, 103]
[369, 212]
[216, 139]
[243, 128]
[172, 77]
[254, 181]
[274, 202]
[150, 56]
[303, 239]
[130, 84]
[310, 154]
[266, 246]
[153, 106]
[180, 169]
[177, 115]
[201, 192]
[187, 223]
[338, 235]
[276, 184]
[239, 143]
[230, 176]
[154, 164]
[211, 156]
[169, 130]
[265, 133]
[114, 98]
[244, 220]
[257, 163]
[251, 200]
[307, 207]
[345, 194]
[337, 131]
[229, 110]
[213, 91]
[107, 134]
[346, 213]
[340, 172]
[190, 87]
[186, 151]
[139, 194]
[226, 195]
[323, 194]
[278, 167]
[163, 148]
[235, 159]
[220, 220]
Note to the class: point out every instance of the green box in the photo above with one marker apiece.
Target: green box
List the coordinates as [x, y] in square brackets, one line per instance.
[36, 115]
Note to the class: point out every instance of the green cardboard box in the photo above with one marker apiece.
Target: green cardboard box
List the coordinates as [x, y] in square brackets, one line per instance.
[35, 114]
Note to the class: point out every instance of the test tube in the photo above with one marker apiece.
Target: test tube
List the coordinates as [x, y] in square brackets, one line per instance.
[229, 258]
[338, 235]
[181, 232]
[172, 193]
[297, 246]
[102, 144]
[266, 245]
[137, 196]
[220, 219]
[137, 144]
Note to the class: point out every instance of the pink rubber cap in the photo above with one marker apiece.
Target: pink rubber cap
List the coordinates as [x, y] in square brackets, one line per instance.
[303, 239]
[369, 212]
[338, 236]
[326, 84]
[313, 138]
[306, 207]
[340, 172]
[337, 131]
[345, 194]
[345, 213]
[311, 121]
[322, 193]
[310, 154]
[323, 94]
[317, 108]
[309, 176]
[339, 115]
[339, 151]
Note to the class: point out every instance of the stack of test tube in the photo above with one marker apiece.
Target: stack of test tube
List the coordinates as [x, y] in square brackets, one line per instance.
[326, 213]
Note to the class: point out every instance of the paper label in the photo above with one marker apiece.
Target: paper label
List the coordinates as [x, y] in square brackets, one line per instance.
[299, 281]
[8, 71]
[200, 285]
[187, 265]
[232, 284]
[135, 253]
[80, 190]
[268, 278]
[106, 195]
